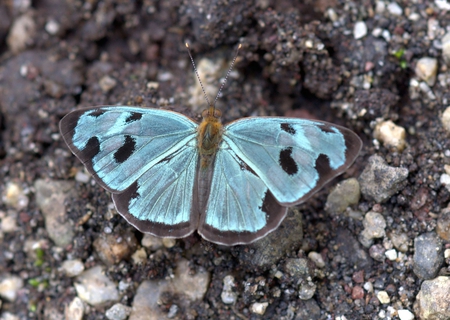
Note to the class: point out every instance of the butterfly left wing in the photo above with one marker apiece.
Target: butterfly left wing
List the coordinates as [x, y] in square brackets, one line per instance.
[293, 157]
[240, 208]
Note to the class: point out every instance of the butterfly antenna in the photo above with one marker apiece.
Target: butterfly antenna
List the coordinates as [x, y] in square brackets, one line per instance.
[228, 73]
[196, 73]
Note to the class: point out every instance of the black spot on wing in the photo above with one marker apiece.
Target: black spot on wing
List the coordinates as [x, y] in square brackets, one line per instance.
[286, 161]
[265, 207]
[97, 113]
[326, 128]
[134, 116]
[126, 150]
[92, 148]
[287, 128]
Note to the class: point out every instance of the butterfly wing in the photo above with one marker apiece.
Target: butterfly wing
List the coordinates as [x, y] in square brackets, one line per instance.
[293, 157]
[146, 157]
[240, 208]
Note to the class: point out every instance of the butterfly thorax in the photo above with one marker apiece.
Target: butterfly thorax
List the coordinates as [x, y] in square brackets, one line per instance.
[209, 136]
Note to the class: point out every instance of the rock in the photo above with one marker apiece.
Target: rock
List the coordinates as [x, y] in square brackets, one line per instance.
[377, 252]
[95, 288]
[446, 48]
[426, 70]
[21, 32]
[394, 9]
[443, 224]
[228, 295]
[151, 242]
[8, 223]
[169, 242]
[259, 308]
[139, 256]
[445, 119]
[428, 255]
[14, 196]
[306, 290]
[51, 197]
[432, 301]
[298, 268]
[74, 310]
[345, 194]
[359, 30]
[379, 181]
[107, 83]
[317, 259]
[374, 225]
[391, 254]
[405, 314]
[9, 286]
[308, 309]
[400, 241]
[193, 286]
[145, 304]
[113, 247]
[351, 250]
[118, 312]
[390, 135]
[383, 297]
[72, 268]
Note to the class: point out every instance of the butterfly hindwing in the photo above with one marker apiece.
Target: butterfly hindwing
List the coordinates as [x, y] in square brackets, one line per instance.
[240, 208]
[293, 157]
[117, 144]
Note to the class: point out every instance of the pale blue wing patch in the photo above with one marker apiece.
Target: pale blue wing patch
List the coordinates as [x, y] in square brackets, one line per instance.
[161, 202]
[294, 157]
[240, 208]
[119, 144]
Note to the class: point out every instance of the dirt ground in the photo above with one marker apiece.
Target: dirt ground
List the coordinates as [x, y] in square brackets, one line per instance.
[353, 63]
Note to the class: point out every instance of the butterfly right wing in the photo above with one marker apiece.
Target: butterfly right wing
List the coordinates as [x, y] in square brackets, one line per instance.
[146, 157]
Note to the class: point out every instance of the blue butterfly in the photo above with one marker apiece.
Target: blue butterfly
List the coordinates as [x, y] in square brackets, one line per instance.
[170, 176]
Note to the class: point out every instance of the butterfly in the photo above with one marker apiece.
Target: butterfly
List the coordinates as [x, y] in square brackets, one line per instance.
[170, 176]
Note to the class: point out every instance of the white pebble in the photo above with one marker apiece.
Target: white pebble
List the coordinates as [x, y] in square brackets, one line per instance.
[405, 314]
[391, 254]
[9, 287]
[317, 259]
[446, 48]
[445, 119]
[390, 135]
[52, 27]
[259, 308]
[383, 297]
[73, 268]
[75, 310]
[426, 69]
[395, 9]
[360, 30]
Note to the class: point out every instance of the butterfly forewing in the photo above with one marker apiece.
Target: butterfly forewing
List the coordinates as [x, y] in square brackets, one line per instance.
[240, 208]
[293, 157]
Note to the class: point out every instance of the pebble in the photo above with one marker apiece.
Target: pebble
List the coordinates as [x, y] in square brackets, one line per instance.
[297, 268]
[368, 286]
[151, 242]
[445, 119]
[8, 223]
[145, 303]
[74, 310]
[374, 225]
[317, 259]
[357, 293]
[52, 27]
[383, 297]
[227, 295]
[345, 194]
[51, 197]
[95, 288]
[400, 241]
[193, 286]
[443, 224]
[139, 256]
[9, 287]
[8, 316]
[359, 30]
[432, 301]
[405, 314]
[394, 9]
[113, 248]
[107, 83]
[118, 312]
[428, 255]
[259, 307]
[307, 290]
[21, 32]
[426, 69]
[169, 242]
[72, 268]
[446, 48]
[391, 254]
[379, 182]
[14, 196]
[390, 134]
[445, 180]
[377, 252]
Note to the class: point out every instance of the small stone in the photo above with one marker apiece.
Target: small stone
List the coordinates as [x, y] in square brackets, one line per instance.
[400, 241]
[445, 180]
[9, 287]
[391, 254]
[95, 288]
[151, 242]
[72, 268]
[445, 119]
[428, 255]
[443, 225]
[317, 259]
[8, 223]
[360, 30]
[21, 32]
[139, 256]
[374, 225]
[193, 286]
[113, 248]
[394, 9]
[405, 314]
[8, 316]
[377, 252]
[390, 135]
[446, 48]
[169, 242]
[357, 293]
[447, 253]
[426, 69]
[345, 194]
[298, 268]
[227, 295]
[432, 301]
[52, 27]
[368, 286]
[259, 308]
[383, 297]
[307, 290]
[107, 83]
[380, 7]
[379, 181]
[74, 310]
[14, 196]
[118, 312]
